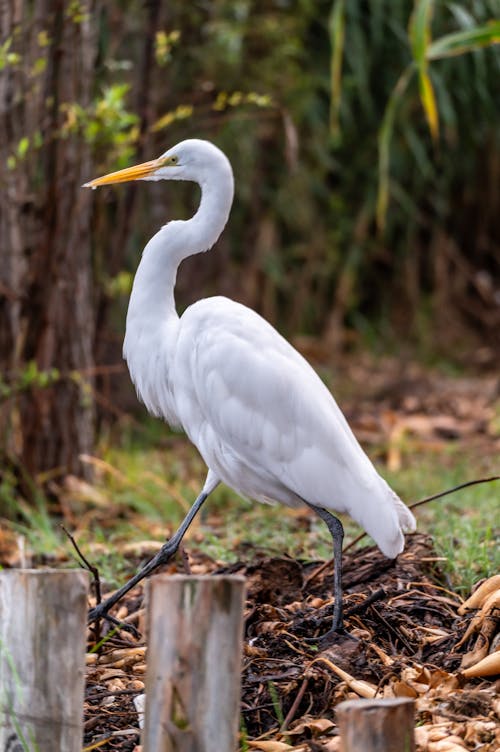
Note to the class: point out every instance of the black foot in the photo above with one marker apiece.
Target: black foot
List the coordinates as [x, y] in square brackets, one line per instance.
[101, 612]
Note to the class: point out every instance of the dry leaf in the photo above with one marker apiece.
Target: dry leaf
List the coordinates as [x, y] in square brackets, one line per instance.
[136, 685]
[487, 632]
[489, 666]
[270, 746]
[110, 673]
[332, 745]
[362, 688]
[402, 689]
[480, 732]
[386, 659]
[443, 681]
[451, 744]
[123, 656]
[479, 596]
[315, 725]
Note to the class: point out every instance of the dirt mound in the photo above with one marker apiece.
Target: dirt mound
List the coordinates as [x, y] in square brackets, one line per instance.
[406, 631]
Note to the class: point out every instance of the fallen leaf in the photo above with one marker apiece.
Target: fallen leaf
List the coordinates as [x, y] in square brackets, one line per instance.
[314, 725]
[479, 596]
[362, 688]
[402, 689]
[451, 744]
[489, 666]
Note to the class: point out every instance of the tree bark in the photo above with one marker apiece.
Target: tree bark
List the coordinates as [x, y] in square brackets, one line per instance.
[46, 421]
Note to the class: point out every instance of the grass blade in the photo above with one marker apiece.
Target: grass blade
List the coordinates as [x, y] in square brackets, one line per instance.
[420, 36]
[337, 36]
[384, 143]
[428, 100]
[461, 42]
[419, 30]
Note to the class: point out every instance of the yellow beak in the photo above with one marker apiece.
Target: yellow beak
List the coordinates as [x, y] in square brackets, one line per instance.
[129, 173]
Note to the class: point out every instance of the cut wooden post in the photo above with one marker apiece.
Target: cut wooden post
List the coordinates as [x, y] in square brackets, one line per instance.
[377, 725]
[193, 678]
[42, 659]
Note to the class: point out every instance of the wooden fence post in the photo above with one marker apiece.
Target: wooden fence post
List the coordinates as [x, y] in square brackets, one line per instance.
[42, 659]
[193, 678]
[377, 725]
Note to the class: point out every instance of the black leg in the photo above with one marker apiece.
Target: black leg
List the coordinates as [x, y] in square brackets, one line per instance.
[337, 532]
[165, 553]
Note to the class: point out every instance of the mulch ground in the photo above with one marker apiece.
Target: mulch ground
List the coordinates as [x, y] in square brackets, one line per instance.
[411, 639]
[408, 643]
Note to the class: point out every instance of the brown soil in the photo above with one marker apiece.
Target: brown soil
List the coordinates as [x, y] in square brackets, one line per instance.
[406, 631]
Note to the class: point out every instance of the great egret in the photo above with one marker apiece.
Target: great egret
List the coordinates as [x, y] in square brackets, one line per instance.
[261, 418]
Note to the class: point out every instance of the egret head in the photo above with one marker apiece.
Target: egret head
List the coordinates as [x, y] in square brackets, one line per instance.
[193, 159]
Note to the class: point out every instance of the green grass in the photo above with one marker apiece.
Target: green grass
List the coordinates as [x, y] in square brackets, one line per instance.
[465, 525]
[144, 486]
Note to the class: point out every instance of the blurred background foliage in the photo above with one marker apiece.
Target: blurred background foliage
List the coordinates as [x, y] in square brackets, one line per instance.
[302, 245]
[296, 92]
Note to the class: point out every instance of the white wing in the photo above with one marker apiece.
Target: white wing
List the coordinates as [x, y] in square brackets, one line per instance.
[266, 424]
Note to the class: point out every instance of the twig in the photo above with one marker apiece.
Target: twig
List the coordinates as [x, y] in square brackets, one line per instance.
[395, 632]
[377, 595]
[452, 490]
[86, 565]
[95, 574]
[298, 699]
[419, 504]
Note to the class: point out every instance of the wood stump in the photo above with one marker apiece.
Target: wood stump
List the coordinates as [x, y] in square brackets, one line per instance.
[193, 680]
[377, 725]
[42, 659]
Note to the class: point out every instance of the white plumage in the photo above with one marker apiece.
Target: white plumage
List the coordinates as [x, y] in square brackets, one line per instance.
[263, 421]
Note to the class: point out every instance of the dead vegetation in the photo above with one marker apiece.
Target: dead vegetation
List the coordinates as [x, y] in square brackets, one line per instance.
[413, 638]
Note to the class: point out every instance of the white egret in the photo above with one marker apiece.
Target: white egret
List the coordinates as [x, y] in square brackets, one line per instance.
[261, 418]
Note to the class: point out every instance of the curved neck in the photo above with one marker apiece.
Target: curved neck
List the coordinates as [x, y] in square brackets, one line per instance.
[152, 301]
[204, 229]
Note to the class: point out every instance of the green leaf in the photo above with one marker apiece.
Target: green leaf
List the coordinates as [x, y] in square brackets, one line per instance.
[384, 143]
[337, 37]
[420, 30]
[39, 66]
[462, 16]
[43, 38]
[461, 42]
[181, 112]
[420, 38]
[7, 57]
[22, 147]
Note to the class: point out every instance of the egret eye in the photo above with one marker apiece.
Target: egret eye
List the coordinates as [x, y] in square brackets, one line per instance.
[169, 161]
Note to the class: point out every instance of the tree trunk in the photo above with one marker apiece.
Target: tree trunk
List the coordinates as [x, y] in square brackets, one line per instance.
[47, 329]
